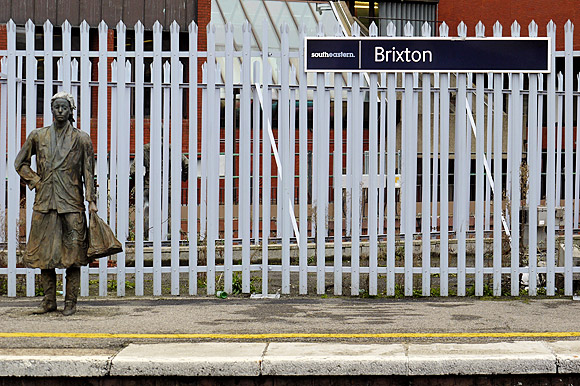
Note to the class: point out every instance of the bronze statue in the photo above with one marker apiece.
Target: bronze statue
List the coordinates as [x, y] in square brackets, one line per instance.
[58, 232]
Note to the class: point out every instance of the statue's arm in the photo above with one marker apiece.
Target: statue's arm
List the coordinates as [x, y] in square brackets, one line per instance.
[89, 171]
[23, 159]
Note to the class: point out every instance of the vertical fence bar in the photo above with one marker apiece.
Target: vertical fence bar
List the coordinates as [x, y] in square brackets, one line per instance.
[356, 165]
[577, 169]
[165, 150]
[192, 146]
[84, 114]
[266, 156]
[569, 149]
[559, 120]
[372, 216]
[391, 140]
[229, 148]
[303, 160]
[176, 149]
[286, 151]
[113, 150]
[550, 164]
[497, 172]
[255, 155]
[337, 182]
[155, 221]
[3, 149]
[138, 161]
[31, 64]
[244, 223]
[321, 192]
[48, 68]
[409, 149]
[516, 156]
[212, 160]
[13, 228]
[102, 172]
[534, 176]
[124, 133]
[426, 174]
[489, 156]
[534, 173]
[382, 155]
[435, 155]
[444, 199]
[461, 182]
[66, 59]
[479, 181]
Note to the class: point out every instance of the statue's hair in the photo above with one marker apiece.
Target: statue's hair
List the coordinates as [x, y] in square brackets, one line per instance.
[66, 96]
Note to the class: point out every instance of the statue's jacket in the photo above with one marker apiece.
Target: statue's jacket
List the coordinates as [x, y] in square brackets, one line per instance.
[64, 163]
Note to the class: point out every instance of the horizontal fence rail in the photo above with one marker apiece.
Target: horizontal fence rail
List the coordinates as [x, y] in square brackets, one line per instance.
[216, 177]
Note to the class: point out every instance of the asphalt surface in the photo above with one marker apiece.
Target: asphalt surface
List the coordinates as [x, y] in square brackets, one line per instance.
[344, 320]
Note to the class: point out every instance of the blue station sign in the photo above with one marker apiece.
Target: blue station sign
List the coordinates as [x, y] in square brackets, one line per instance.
[526, 55]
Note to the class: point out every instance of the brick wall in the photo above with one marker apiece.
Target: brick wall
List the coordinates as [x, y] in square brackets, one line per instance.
[506, 11]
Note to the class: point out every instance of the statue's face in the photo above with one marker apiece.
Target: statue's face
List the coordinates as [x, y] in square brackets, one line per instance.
[61, 110]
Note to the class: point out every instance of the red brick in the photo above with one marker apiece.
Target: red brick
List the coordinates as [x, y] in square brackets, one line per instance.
[506, 12]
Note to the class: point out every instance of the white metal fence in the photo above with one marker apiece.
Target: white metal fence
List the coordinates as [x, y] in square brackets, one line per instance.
[302, 186]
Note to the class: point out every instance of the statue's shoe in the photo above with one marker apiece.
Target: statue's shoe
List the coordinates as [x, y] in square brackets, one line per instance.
[70, 308]
[45, 306]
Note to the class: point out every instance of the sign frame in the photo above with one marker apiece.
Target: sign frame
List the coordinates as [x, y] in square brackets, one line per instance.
[550, 54]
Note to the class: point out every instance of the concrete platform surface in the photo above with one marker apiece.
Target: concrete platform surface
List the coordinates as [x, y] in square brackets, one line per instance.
[237, 359]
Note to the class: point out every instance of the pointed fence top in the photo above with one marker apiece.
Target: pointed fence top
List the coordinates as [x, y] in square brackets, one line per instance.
[103, 28]
[246, 27]
[47, 26]
[551, 28]
[29, 26]
[158, 28]
[426, 29]
[444, 30]
[533, 29]
[85, 27]
[462, 30]
[480, 30]
[515, 28]
[409, 30]
[497, 29]
[192, 27]
[568, 27]
[66, 26]
[355, 29]
[391, 29]
[373, 29]
[121, 28]
[174, 27]
[139, 27]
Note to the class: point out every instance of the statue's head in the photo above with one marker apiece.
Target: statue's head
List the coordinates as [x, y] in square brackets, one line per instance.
[62, 105]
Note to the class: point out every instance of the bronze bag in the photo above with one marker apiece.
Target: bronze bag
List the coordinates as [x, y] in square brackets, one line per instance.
[102, 241]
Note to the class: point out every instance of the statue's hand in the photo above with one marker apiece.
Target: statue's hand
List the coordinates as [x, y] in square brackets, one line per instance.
[93, 207]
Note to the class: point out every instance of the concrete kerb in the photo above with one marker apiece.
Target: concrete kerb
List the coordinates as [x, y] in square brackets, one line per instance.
[301, 359]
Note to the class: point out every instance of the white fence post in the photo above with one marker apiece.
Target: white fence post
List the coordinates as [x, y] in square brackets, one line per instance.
[176, 154]
[31, 66]
[193, 140]
[479, 178]
[444, 198]
[155, 220]
[569, 148]
[102, 172]
[138, 160]
[13, 212]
